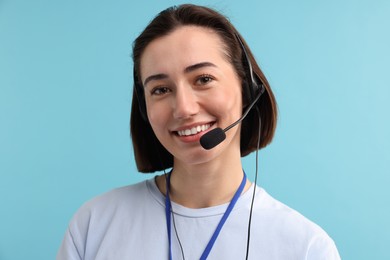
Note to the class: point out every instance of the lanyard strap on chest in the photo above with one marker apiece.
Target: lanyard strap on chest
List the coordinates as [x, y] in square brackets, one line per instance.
[168, 211]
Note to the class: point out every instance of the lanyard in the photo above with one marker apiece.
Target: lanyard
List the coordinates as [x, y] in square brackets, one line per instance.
[168, 208]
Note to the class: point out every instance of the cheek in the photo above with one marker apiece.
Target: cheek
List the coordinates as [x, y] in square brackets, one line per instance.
[158, 116]
[229, 103]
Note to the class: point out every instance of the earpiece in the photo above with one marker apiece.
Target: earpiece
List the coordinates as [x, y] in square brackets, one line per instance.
[253, 85]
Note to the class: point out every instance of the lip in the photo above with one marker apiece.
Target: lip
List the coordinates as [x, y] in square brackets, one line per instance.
[192, 138]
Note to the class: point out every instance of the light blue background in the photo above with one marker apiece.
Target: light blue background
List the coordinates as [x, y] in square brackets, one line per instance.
[65, 92]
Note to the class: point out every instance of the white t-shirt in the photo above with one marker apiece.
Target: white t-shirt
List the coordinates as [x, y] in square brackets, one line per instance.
[130, 223]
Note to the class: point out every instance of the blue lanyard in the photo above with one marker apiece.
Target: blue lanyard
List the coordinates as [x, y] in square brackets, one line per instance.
[168, 209]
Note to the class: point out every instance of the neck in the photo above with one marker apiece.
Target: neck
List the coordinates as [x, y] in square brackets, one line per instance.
[203, 186]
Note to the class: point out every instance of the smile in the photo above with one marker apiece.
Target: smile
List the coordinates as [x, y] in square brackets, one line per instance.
[193, 130]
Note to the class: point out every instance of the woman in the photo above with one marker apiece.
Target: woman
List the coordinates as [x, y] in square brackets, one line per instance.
[194, 74]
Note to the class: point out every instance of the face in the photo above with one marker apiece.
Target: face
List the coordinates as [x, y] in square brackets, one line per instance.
[191, 88]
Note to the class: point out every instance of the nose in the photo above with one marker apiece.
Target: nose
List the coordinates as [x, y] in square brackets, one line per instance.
[186, 103]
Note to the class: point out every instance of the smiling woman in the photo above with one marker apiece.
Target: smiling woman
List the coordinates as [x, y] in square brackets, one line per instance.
[198, 88]
[193, 74]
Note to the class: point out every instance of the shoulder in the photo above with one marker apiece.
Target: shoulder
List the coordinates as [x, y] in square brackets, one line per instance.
[104, 218]
[129, 196]
[119, 201]
[291, 228]
[110, 208]
[285, 216]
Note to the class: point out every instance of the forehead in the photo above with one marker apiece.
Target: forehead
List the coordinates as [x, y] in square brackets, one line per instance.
[184, 46]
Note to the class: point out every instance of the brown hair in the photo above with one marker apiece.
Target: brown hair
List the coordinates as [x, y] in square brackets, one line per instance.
[149, 153]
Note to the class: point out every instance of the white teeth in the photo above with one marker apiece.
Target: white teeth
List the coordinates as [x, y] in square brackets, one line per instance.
[194, 130]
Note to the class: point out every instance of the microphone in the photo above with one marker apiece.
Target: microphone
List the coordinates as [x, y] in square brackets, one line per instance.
[214, 137]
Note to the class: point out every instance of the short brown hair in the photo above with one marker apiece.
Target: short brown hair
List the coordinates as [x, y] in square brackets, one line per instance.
[150, 155]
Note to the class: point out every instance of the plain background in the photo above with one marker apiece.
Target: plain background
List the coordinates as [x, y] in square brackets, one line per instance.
[65, 94]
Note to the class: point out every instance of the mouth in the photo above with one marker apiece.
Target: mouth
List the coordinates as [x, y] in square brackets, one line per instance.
[193, 130]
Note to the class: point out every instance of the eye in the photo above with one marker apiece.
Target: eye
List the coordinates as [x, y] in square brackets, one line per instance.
[204, 79]
[159, 91]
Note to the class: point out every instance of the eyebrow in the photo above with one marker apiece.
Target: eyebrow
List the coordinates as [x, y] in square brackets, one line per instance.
[198, 66]
[155, 77]
[186, 70]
